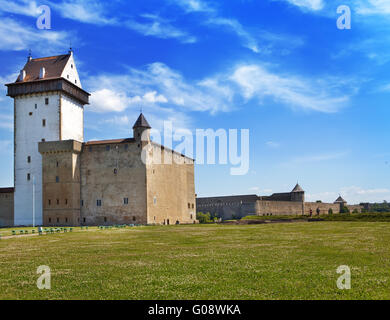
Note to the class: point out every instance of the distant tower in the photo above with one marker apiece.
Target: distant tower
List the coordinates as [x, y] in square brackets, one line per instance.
[340, 201]
[298, 194]
[48, 106]
[141, 130]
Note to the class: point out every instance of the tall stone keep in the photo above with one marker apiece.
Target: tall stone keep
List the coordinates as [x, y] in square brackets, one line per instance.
[48, 106]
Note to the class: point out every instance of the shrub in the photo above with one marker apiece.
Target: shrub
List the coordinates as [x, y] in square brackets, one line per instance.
[344, 210]
[203, 217]
[330, 211]
[355, 211]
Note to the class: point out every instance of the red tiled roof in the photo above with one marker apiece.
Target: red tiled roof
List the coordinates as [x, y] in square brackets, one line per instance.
[54, 66]
[7, 190]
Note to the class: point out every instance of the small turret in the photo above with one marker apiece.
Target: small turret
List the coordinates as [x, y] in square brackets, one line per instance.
[298, 194]
[141, 129]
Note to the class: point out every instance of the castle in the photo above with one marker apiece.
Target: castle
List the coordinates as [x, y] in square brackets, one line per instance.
[288, 203]
[61, 180]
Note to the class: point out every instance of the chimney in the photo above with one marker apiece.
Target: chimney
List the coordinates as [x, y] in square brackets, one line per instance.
[42, 73]
[22, 75]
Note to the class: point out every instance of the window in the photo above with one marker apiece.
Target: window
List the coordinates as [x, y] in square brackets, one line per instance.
[43, 122]
[83, 219]
[57, 179]
[49, 219]
[99, 203]
[49, 202]
[36, 106]
[66, 219]
[67, 76]
[57, 164]
[43, 140]
[82, 203]
[28, 177]
[58, 220]
[192, 206]
[75, 81]
[155, 200]
[58, 201]
[46, 101]
[133, 218]
[115, 171]
[167, 221]
[107, 148]
[105, 219]
[66, 201]
[71, 66]
[28, 159]
[126, 146]
[125, 200]
[30, 114]
[189, 206]
[191, 216]
[90, 149]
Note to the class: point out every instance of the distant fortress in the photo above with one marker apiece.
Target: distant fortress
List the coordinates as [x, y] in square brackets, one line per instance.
[287, 203]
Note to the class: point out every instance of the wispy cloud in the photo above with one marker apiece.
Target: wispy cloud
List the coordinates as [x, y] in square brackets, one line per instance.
[155, 26]
[16, 36]
[373, 7]
[272, 144]
[319, 157]
[256, 81]
[157, 84]
[313, 5]
[352, 194]
[22, 7]
[87, 11]
[194, 5]
[7, 122]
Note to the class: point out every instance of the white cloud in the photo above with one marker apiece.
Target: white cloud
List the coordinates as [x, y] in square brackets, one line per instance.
[194, 5]
[352, 194]
[87, 11]
[313, 5]
[160, 28]
[23, 7]
[157, 84]
[16, 36]
[273, 144]
[249, 41]
[256, 81]
[7, 122]
[373, 7]
[319, 157]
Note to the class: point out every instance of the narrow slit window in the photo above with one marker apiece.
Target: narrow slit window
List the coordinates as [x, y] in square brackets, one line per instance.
[43, 122]
[46, 101]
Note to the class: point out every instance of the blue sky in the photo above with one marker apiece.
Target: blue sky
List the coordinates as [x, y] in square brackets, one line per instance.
[315, 98]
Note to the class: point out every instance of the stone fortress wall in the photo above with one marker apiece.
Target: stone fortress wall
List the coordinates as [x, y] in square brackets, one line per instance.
[288, 203]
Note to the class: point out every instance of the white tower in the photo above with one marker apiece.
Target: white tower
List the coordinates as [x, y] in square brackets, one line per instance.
[48, 106]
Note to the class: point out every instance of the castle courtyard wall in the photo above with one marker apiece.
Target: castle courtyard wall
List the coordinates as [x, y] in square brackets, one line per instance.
[111, 173]
[170, 187]
[6, 208]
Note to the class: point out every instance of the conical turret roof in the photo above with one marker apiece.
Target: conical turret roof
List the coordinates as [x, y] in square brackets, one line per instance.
[297, 188]
[340, 200]
[141, 122]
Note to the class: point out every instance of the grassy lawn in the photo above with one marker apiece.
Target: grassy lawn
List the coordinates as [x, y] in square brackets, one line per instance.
[266, 261]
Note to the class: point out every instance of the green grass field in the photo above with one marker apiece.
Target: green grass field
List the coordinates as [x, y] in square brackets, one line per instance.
[266, 261]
